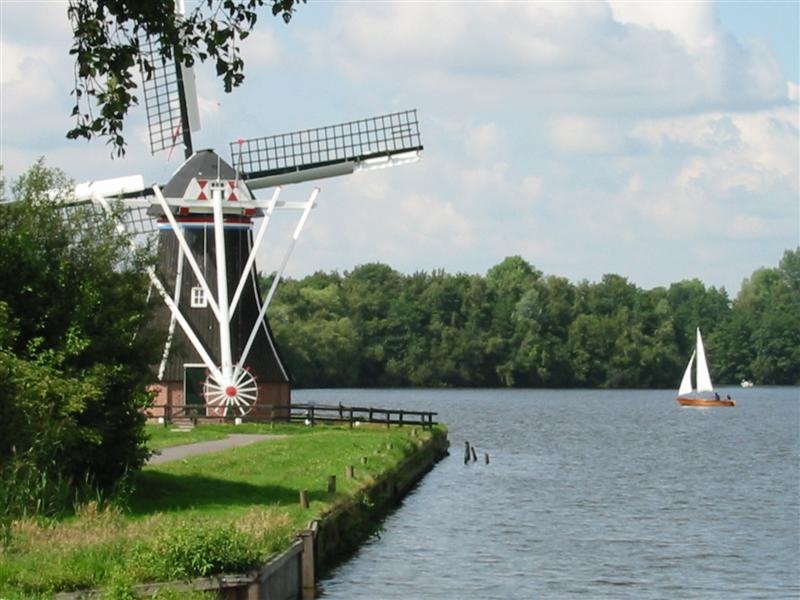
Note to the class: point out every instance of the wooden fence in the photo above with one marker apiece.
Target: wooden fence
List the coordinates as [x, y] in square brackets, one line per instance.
[310, 414]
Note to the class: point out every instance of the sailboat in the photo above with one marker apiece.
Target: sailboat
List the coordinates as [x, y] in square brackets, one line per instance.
[689, 397]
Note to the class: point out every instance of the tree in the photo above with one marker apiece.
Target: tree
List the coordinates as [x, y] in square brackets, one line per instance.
[106, 46]
[75, 349]
[318, 339]
[767, 325]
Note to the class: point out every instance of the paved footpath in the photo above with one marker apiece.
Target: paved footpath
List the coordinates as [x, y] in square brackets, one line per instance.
[232, 441]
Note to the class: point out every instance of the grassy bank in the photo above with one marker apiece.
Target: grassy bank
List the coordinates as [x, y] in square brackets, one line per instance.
[222, 512]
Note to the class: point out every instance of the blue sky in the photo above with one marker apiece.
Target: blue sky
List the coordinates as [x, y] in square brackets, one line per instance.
[654, 140]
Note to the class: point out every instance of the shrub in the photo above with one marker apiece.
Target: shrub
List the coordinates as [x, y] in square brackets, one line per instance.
[75, 350]
[192, 550]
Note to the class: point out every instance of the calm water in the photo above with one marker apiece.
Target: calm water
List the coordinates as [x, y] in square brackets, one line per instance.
[597, 494]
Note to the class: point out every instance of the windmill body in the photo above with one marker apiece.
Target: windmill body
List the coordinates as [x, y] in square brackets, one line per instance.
[181, 372]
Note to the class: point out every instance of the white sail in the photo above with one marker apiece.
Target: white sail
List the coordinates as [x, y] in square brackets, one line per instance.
[686, 382]
[703, 376]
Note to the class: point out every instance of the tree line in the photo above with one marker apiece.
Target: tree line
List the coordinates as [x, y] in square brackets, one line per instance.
[517, 327]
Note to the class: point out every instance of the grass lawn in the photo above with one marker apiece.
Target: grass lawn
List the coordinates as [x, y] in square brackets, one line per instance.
[221, 512]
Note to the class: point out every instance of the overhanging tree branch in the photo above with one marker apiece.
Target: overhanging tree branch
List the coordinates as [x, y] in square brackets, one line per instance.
[106, 46]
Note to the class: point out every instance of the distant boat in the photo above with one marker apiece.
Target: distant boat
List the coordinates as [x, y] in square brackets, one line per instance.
[704, 385]
[746, 383]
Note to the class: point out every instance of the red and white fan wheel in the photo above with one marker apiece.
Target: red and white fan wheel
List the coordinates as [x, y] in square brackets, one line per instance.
[235, 397]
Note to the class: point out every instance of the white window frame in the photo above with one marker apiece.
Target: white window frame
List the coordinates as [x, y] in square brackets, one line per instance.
[198, 298]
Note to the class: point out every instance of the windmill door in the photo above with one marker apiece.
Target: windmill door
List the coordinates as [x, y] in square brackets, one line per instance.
[193, 378]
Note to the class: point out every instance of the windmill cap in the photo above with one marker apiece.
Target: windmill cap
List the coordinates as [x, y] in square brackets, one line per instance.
[203, 164]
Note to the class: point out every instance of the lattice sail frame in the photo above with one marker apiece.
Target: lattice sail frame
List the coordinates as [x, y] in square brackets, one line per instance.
[376, 142]
[170, 97]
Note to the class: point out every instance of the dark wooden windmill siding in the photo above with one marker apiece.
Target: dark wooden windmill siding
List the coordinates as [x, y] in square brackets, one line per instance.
[263, 360]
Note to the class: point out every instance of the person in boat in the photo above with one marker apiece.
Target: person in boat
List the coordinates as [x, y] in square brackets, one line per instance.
[716, 396]
[728, 397]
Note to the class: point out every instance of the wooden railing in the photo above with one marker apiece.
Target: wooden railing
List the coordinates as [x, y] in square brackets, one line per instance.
[303, 413]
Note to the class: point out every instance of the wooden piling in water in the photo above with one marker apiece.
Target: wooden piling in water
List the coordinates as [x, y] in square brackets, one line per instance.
[466, 452]
[486, 458]
[474, 455]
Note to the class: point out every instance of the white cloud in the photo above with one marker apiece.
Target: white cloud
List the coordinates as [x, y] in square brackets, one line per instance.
[694, 23]
[581, 134]
[26, 74]
[750, 226]
[748, 150]
[261, 49]
[561, 57]
[484, 141]
[531, 187]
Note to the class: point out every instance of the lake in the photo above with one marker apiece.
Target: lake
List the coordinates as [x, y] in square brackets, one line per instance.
[593, 494]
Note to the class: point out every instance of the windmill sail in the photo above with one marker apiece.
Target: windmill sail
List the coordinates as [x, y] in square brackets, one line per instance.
[686, 382]
[703, 376]
[170, 98]
[310, 154]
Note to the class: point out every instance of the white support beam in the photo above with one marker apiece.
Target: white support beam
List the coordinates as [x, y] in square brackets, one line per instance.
[185, 326]
[187, 251]
[265, 304]
[217, 189]
[262, 230]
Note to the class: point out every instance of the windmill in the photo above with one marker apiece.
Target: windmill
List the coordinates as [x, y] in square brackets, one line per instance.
[219, 351]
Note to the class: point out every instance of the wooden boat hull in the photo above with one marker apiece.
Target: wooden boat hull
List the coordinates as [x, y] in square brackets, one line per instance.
[701, 402]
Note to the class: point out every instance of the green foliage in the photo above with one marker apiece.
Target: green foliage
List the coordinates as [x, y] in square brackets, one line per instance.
[74, 350]
[191, 551]
[516, 327]
[106, 46]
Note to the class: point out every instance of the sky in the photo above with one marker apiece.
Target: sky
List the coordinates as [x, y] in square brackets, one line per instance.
[655, 140]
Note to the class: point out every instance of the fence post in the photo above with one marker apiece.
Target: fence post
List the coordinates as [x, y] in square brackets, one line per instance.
[307, 574]
[312, 415]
